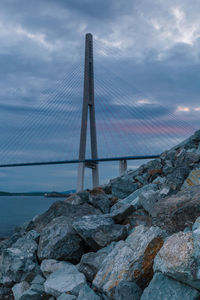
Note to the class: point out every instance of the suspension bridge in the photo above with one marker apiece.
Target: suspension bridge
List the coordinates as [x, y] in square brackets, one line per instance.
[123, 125]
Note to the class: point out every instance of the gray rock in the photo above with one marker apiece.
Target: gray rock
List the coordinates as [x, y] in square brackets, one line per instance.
[127, 290]
[31, 295]
[131, 199]
[78, 198]
[61, 208]
[186, 158]
[37, 287]
[162, 287]
[86, 293]
[49, 266]
[130, 260]
[154, 167]
[100, 201]
[99, 231]
[176, 259]
[177, 177]
[91, 262]
[19, 262]
[19, 288]
[59, 240]
[124, 186]
[148, 200]
[66, 297]
[175, 212]
[65, 280]
[122, 213]
[38, 280]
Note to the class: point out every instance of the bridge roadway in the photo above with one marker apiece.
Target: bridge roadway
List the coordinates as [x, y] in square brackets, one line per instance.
[76, 161]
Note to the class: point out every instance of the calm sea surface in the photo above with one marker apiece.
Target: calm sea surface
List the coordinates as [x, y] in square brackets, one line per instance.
[15, 210]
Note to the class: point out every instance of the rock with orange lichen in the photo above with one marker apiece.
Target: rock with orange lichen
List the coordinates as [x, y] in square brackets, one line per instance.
[130, 260]
[176, 259]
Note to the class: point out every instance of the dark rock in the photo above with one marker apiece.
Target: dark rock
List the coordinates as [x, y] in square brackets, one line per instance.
[162, 287]
[60, 208]
[177, 177]
[99, 231]
[6, 293]
[91, 262]
[66, 297]
[100, 201]
[60, 241]
[122, 213]
[124, 186]
[127, 290]
[176, 212]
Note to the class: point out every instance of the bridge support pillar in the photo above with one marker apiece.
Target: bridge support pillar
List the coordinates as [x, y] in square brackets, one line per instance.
[122, 166]
[88, 105]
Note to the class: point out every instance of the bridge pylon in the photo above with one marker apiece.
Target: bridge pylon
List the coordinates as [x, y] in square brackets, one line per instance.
[88, 105]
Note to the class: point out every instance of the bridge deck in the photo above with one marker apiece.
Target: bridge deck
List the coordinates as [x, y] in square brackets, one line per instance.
[78, 161]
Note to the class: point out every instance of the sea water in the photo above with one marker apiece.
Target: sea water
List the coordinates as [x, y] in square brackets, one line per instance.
[15, 210]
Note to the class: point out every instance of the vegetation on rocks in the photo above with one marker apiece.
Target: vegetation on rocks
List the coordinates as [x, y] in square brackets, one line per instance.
[137, 237]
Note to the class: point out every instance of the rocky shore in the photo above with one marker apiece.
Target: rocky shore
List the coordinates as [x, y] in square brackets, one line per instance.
[137, 237]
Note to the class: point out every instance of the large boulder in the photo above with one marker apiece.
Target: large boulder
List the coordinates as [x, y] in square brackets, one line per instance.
[162, 287]
[176, 259]
[60, 241]
[130, 260]
[65, 280]
[174, 213]
[20, 262]
[99, 231]
[61, 208]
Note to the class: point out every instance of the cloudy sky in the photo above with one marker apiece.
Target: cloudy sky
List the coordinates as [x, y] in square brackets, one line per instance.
[147, 88]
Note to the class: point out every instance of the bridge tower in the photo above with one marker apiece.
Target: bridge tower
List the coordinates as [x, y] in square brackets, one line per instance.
[88, 105]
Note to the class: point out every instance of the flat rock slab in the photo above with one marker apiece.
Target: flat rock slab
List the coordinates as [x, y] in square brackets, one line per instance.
[130, 260]
[99, 231]
[176, 212]
[162, 287]
[65, 280]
